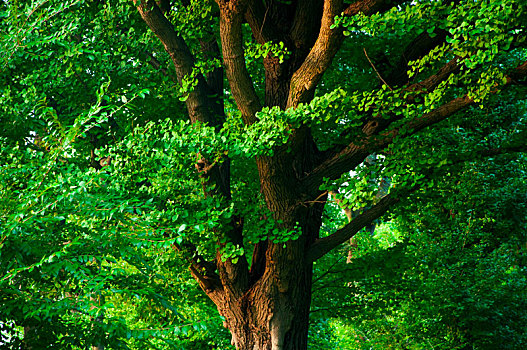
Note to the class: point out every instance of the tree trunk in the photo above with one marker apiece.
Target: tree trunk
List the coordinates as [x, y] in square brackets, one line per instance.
[267, 305]
[274, 313]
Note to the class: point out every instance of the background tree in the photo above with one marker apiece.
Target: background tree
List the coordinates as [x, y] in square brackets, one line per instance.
[447, 272]
[118, 146]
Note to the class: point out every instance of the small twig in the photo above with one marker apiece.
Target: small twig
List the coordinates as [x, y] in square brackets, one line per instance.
[327, 271]
[375, 69]
[263, 21]
[316, 199]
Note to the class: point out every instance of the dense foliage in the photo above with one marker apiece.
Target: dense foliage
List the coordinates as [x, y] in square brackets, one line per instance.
[115, 179]
[448, 274]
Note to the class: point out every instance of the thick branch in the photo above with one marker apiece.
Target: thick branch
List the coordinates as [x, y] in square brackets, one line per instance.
[306, 78]
[171, 40]
[417, 124]
[430, 83]
[231, 17]
[443, 111]
[419, 47]
[350, 156]
[202, 105]
[376, 124]
[306, 23]
[326, 244]
[198, 104]
[355, 153]
[379, 123]
[344, 158]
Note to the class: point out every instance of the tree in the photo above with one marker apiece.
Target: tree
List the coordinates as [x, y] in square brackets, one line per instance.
[239, 191]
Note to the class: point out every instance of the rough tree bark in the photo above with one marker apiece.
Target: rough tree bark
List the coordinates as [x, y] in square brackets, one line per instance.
[267, 305]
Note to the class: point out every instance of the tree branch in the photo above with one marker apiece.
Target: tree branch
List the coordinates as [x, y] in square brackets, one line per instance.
[305, 25]
[306, 78]
[416, 49]
[202, 106]
[355, 153]
[154, 62]
[198, 105]
[323, 245]
[444, 111]
[231, 17]
[430, 83]
[348, 157]
[369, 7]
